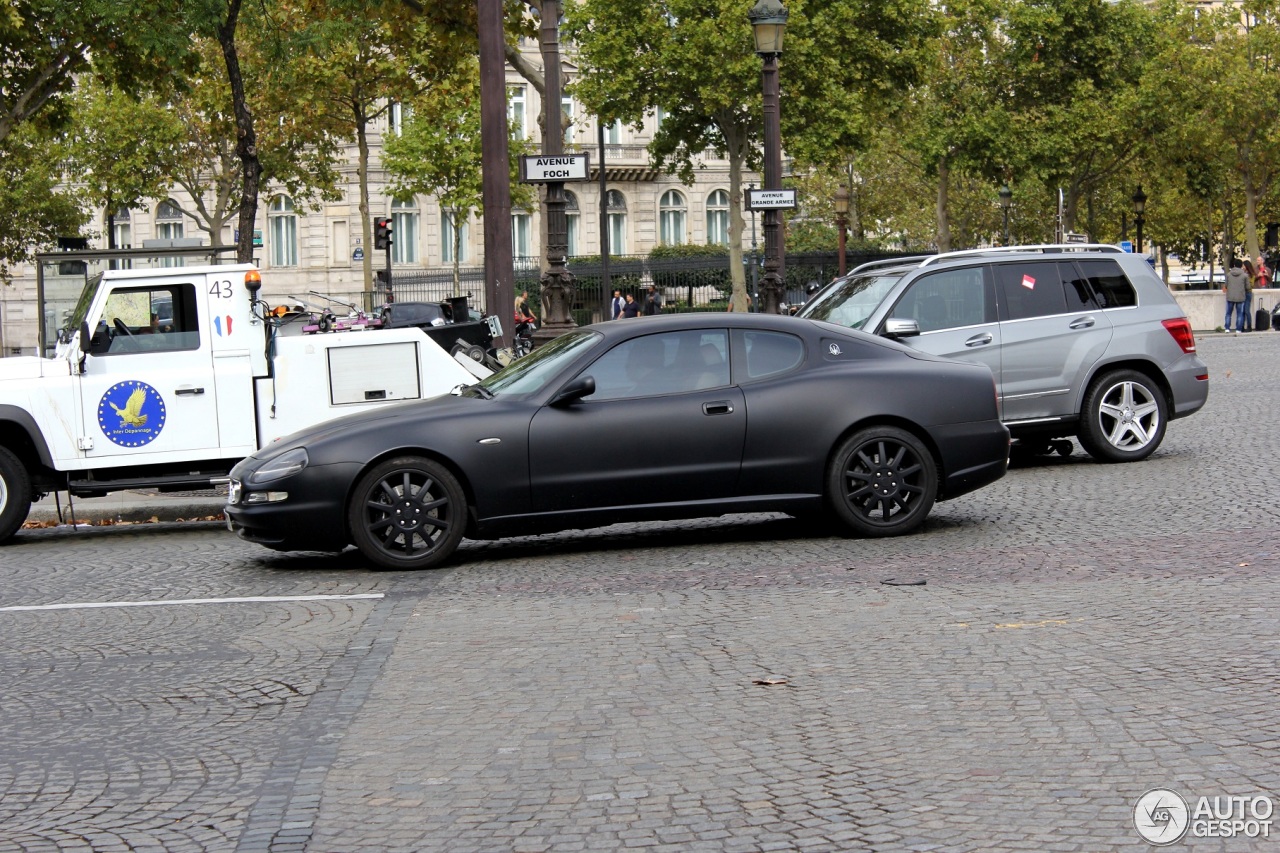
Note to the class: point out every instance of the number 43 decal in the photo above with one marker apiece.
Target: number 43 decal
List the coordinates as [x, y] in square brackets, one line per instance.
[220, 289]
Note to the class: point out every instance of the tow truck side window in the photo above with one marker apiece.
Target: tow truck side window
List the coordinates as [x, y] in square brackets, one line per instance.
[148, 319]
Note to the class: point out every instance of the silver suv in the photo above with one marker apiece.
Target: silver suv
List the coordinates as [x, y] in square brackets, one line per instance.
[1083, 340]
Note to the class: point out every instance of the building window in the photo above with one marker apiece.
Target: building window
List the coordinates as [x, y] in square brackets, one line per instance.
[659, 116]
[613, 134]
[671, 218]
[718, 219]
[566, 107]
[404, 232]
[169, 227]
[451, 226]
[516, 112]
[571, 220]
[395, 118]
[521, 245]
[121, 232]
[282, 225]
[616, 210]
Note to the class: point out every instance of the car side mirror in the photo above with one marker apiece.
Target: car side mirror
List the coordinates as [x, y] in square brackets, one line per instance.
[583, 386]
[895, 328]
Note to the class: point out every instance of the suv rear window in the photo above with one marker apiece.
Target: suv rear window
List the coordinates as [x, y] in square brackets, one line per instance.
[1109, 284]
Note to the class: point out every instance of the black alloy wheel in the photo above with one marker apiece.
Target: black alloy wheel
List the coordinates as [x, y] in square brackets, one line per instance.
[407, 513]
[882, 482]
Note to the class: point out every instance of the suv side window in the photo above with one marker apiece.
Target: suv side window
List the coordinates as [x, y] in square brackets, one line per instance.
[1109, 283]
[1034, 289]
[948, 299]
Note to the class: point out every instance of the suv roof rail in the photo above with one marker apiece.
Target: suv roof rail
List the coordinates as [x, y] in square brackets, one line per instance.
[1039, 247]
[887, 262]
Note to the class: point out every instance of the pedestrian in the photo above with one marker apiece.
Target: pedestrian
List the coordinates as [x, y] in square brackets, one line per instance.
[1264, 273]
[617, 305]
[631, 308]
[522, 309]
[1237, 288]
[652, 302]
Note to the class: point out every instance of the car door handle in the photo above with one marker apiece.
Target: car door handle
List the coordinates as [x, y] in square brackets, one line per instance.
[719, 407]
[189, 391]
[978, 340]
[1082, 323]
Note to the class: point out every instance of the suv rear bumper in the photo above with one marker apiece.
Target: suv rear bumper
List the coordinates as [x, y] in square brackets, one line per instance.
[1188, 385]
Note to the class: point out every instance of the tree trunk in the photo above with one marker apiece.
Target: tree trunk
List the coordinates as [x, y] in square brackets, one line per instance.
[737, 275]
[944, 217]
[246, 140]
[457, 257]
[362, 172]
[1251, 196]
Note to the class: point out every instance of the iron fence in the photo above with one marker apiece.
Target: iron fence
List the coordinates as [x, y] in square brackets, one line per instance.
[700, 283]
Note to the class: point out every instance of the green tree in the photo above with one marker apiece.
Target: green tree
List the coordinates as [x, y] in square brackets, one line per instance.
[120, 148]
[34, 209]
[695, 60]
[439, 153]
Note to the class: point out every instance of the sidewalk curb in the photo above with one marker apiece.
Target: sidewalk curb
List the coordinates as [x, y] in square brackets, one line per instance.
[127, 507]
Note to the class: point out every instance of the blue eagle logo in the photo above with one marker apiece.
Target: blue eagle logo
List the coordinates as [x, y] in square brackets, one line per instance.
[131, 413]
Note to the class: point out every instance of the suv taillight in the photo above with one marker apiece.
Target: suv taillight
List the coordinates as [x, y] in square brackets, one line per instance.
[1181, 331]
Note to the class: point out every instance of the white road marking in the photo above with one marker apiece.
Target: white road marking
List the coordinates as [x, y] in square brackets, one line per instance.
[264, 599]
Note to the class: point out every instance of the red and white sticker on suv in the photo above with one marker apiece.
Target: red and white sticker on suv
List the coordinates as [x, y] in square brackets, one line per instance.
[1028, 282]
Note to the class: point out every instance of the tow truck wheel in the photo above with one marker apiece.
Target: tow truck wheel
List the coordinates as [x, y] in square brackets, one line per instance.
[15, 494]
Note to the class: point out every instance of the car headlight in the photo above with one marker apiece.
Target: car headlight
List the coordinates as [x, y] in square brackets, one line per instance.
[284, 465]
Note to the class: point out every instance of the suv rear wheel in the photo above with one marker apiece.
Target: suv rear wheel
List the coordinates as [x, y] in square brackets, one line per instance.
[1123, 417]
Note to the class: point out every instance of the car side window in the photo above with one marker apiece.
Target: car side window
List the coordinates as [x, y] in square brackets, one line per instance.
[947, 299]
[1112, 288]
[1030, 289]
[149, 319]
[770, 353]
[668, 363]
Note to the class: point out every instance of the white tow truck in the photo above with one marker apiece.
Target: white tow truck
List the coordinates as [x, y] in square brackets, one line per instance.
[165, 378]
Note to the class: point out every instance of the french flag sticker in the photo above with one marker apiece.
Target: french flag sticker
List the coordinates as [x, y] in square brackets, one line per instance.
[217, 325]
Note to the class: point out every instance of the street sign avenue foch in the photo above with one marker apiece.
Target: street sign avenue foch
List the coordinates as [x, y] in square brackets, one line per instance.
[541, 168]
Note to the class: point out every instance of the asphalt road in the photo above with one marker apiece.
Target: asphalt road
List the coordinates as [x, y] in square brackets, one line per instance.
[1084, 633]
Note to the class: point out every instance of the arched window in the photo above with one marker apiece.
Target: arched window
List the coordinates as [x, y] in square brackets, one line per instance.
[169, 227]
[121, 233]
[572, 220]
[718, 218]
[404, 231]
[453, 225]
[616, 210]
[671, 219]
[282, 226]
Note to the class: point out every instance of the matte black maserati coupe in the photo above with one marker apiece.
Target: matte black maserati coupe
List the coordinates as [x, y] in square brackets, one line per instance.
[677, 416]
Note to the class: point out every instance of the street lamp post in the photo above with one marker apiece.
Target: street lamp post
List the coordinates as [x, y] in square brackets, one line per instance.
[557, 282]
[768, 21]
[842, 221]
[1139, 208]
[1006, 200]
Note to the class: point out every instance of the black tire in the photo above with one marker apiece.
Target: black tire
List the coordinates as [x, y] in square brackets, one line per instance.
[15, 494]
[407, 513]
[882, 481]
[1123, 417]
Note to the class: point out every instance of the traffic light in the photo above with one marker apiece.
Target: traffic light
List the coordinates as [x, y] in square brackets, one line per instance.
[382, 234]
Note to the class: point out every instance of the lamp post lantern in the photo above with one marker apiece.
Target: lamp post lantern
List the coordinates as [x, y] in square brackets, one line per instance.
[1006, 200]
[1139, 208]
[768, 21]
[842, 221]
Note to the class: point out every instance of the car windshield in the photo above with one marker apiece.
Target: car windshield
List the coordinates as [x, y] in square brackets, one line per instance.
[850, 302]
[530, 374]
[72, 321]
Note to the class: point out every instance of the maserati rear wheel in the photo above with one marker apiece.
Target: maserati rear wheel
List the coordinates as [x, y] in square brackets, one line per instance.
[882, 481]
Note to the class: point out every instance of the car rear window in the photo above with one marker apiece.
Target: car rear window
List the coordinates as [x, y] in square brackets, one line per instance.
[1109, 283]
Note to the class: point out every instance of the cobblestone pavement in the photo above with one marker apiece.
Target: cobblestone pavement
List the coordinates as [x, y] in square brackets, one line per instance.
[1084, 633]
